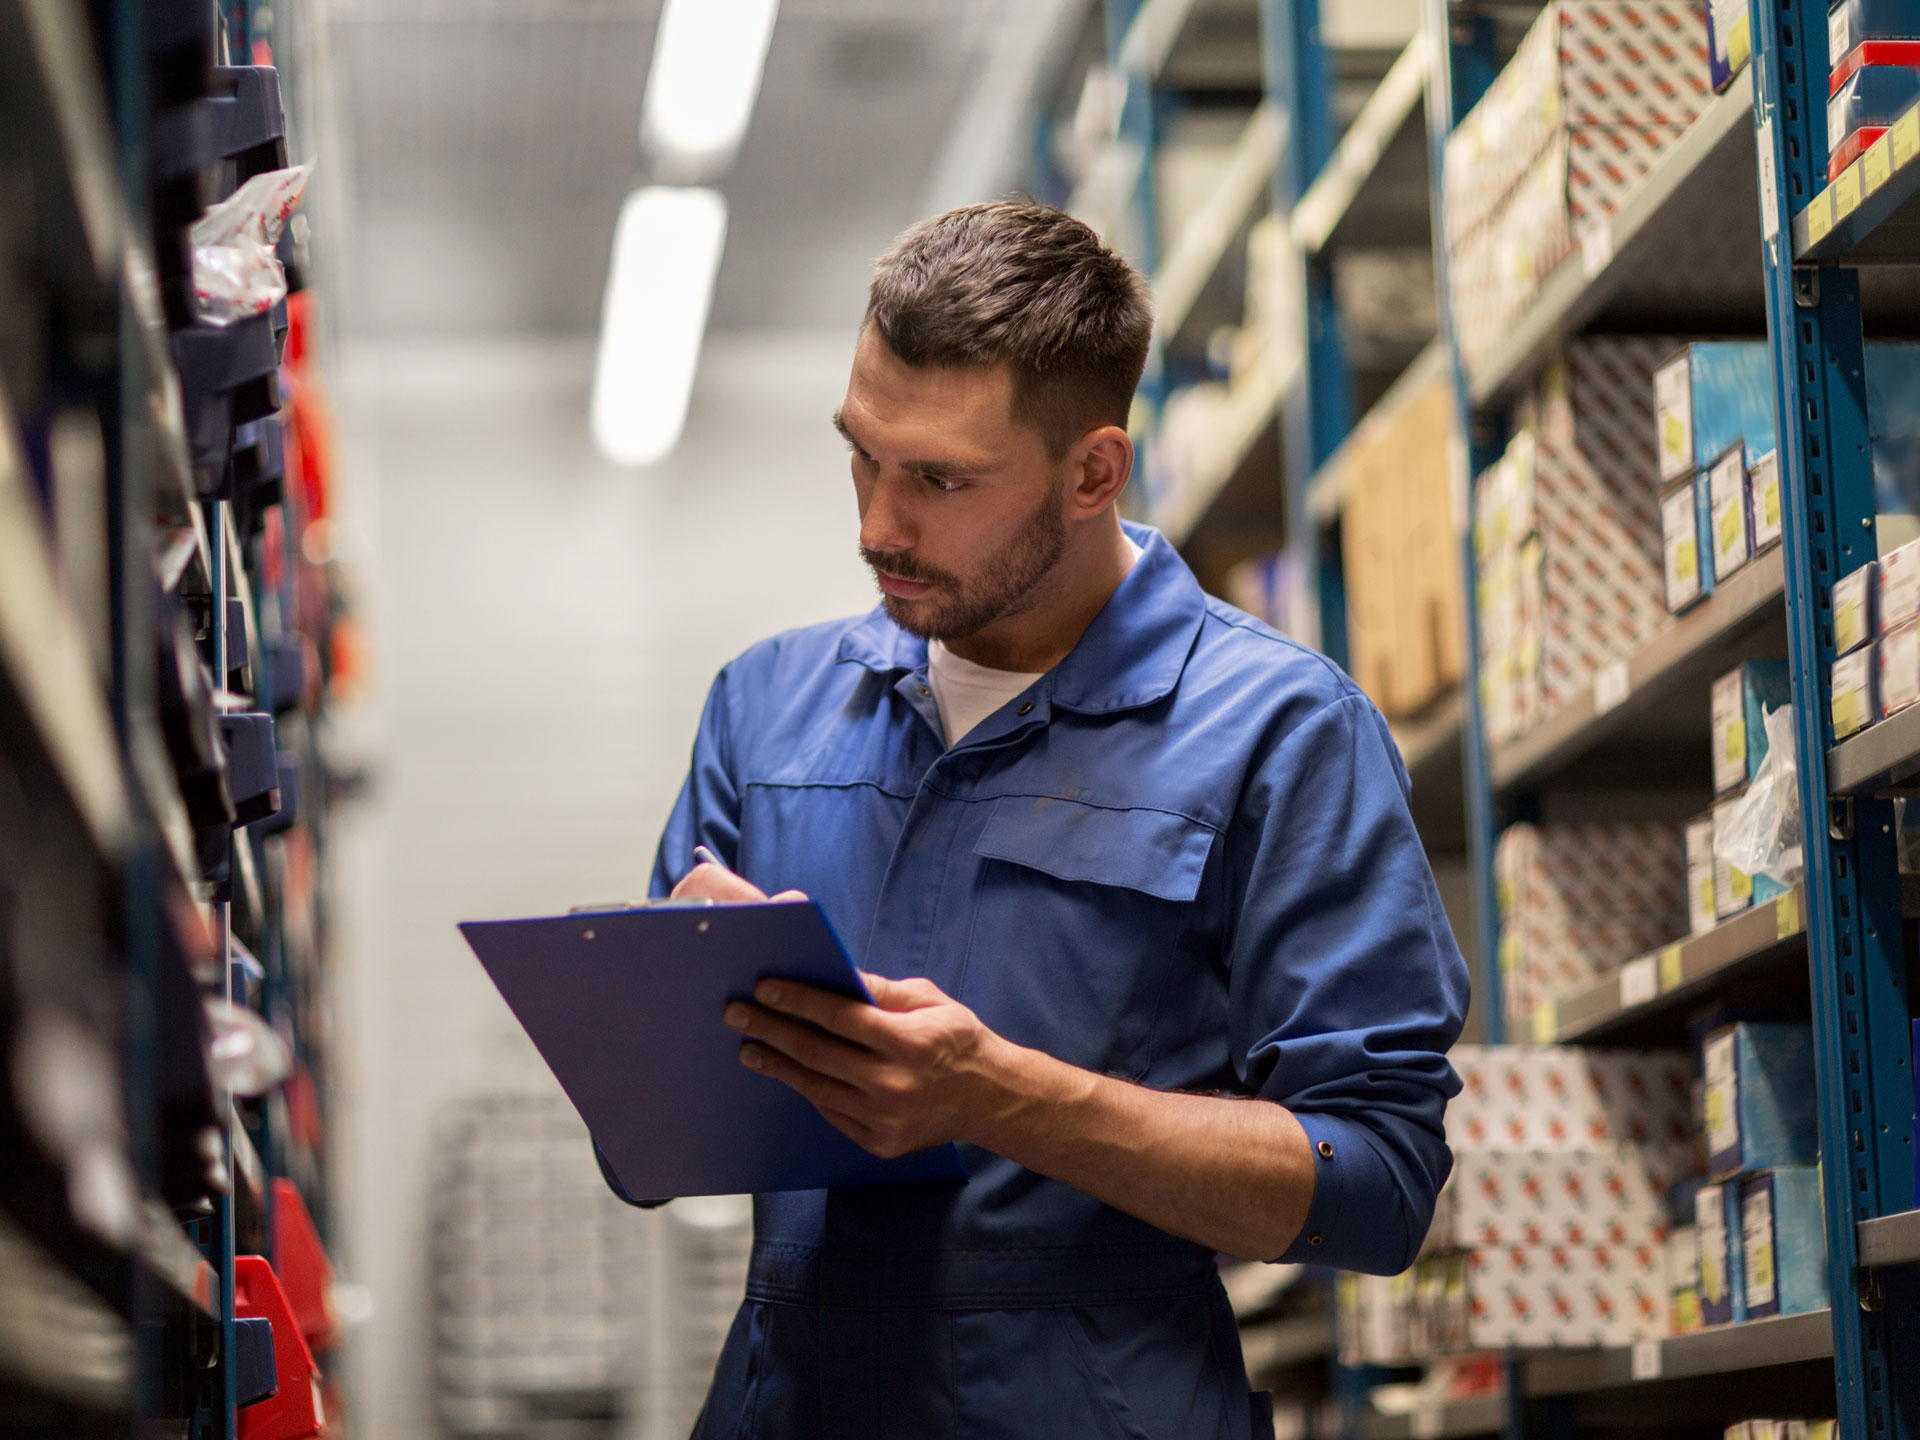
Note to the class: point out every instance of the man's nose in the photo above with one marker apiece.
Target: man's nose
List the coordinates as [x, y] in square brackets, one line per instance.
[883, 527]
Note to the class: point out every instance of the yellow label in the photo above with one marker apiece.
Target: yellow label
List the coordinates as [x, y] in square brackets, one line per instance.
[1729, 527]
[1904, 138]
[1819, 219]
[1716, 1108]
[1686, 1312]
[1736, 741]
[1546, 1022]
[1876, 166]
[1740, 42]
[1786, 915]
[1762, 1262]
[1670, 971]
[1770, 503]
[1741, 884]
[1849, 629]
[1674, 432]
[1846, 193]
[1686, 563]
[1849, 712]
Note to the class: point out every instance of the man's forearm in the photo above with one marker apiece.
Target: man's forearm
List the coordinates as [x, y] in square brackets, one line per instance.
[1236, 1175]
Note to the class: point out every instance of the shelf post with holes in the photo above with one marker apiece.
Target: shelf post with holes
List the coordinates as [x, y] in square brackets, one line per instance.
[1855, 942]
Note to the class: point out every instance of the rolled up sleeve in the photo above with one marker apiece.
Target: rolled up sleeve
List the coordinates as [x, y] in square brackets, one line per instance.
[1345, 985]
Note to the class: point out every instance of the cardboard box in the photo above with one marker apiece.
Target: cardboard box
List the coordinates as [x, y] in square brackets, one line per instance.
[1541, 1297]
[1740, 702]
[1686, 552]
[1856, 691]
[1853, 608]
[1763, 484]
[1897, 586]
[1599, 1196]
[1897, 668]
[1702, 914]
[1711, 396]
[1722, 1254]
[1729, 41]
[1683, 1280]
[1785, 1262]
[1760, 1099]
[1728, 503]
[1406, 622]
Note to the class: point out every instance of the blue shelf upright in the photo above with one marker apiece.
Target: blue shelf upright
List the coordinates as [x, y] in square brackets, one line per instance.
[1862, 1040]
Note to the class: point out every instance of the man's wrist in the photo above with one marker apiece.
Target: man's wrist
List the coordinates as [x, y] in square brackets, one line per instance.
[1027, 1093]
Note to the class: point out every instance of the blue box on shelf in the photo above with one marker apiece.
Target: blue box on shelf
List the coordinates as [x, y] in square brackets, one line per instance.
[1760, 1098]
[1853, 23]
[1711, 396]
[1785, 1242]
[1741, 699]
[1716, 1214]
[1729, 41]
[1861, 109]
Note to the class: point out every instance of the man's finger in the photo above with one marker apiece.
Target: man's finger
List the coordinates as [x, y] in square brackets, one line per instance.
[714, 882]
[853, 1020]
[824, 1053]
[822, 1091]
[915, 994]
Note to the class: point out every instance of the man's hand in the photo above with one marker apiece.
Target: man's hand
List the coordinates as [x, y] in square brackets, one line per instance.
[914, 1070]
[723, 887]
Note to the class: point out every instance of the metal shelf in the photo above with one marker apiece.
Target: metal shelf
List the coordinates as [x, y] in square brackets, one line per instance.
[1389, 124]
[1255, 411]
[1327, 491]
[1455, 1420]
[1872, 212]
[45, 655]
[1723, 1350]
[1687, 654]
[1208, 237]
[1703, 187]
[1881, 757]
[1890, 1240]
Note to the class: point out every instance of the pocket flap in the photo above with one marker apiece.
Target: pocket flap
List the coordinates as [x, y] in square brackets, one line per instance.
[1147, 850]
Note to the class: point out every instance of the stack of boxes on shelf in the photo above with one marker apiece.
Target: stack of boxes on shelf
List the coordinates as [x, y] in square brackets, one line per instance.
[1761, 1236]
[1720, 499]
[1742, 700]
[1595, 93]
[1873, 59]
[1576, 901]
[1550, 1231]
[1567, 534]
[1783, 1430]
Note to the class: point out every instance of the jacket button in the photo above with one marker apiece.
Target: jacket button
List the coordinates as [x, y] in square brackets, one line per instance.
[1027, 709]
[925, 691]
[1315, 1238]
[1326, 1149]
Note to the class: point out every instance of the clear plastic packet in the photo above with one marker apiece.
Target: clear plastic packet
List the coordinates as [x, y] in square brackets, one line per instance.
[1760, 834]
[235, 272]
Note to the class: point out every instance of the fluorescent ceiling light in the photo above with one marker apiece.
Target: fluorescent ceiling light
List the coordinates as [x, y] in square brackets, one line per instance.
[666, 249]
[707, 56]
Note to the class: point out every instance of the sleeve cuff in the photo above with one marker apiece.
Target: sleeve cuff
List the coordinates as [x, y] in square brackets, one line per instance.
[1358, 1217]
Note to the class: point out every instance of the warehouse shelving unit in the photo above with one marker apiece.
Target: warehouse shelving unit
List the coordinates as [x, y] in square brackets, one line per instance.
[1704, 245]
[135, 890]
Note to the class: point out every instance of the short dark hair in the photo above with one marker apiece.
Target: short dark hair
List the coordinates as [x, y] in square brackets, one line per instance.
[1026, 284]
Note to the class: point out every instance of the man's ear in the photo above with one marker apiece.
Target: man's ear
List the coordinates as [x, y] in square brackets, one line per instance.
[1101, 462]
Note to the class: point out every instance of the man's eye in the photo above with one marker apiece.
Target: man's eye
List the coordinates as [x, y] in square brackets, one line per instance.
[944, 486]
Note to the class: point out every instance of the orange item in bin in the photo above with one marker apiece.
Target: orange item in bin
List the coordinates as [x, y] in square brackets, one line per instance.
[295, 1411]
[301, 1263]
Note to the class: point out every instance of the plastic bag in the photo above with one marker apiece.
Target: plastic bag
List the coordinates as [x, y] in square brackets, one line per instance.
[1759, 833]
[235, 271]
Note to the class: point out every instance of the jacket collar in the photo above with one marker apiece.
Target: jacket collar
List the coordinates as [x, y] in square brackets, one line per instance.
[1132, 654]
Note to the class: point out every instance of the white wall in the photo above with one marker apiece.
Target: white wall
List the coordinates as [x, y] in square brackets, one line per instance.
[543, 629]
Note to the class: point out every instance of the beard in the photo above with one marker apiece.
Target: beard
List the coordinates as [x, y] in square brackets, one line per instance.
[955, 609]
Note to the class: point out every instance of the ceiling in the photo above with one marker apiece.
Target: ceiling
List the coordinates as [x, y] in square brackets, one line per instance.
[490, 142]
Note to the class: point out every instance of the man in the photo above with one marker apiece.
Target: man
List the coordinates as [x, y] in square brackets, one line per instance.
[1151, 932]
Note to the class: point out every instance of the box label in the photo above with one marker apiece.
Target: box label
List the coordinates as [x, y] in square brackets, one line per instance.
[1757, 1220]
[1722, 1113]
[1673, 416]
[1639, 981]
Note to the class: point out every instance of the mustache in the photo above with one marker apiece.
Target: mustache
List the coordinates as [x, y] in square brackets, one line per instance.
[905, 567]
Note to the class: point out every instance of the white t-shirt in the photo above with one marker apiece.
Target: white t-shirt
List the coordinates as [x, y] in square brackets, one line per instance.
[968, 693]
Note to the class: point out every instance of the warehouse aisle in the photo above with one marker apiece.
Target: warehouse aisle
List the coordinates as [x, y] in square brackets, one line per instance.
[546, 628]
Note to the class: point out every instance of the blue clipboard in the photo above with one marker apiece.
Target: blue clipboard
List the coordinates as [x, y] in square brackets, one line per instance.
[624, 1006]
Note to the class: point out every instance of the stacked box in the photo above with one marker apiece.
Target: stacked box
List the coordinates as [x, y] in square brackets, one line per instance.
[1729, 41]
[1856, 692]
[1683, 1280]
[1565, 1099]
[1595, 93]
[1576, 901]
[1741, 700]
[1734, 890]
[1711, 396]
[1702, 913]
[1853, 609]
[1760, 1099]
[1567, 535]
[1763, 491]
[1730, 509]
[1574, 1296]
[1686, 545]
[1785, 1242]
[1897, 587]
[1600, 1196]
[1897, 669]
[1863, 106]
[1717, 1224]
[1852, 24]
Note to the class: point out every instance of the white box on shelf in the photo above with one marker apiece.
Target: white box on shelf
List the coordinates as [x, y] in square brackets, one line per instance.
[1702, 914]
[1855, 690]
[1763, 482]
[1853, 609]
[1897, 586]
[1680, 542]
[1732, 523]
[1898, 669]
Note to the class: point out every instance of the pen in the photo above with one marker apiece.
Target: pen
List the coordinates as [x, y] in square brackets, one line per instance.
[703, 856]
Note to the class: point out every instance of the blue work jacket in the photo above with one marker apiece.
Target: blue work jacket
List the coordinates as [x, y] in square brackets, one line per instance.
[1184, 857]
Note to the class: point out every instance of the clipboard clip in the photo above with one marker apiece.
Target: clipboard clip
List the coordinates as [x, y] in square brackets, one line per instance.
[692, 902]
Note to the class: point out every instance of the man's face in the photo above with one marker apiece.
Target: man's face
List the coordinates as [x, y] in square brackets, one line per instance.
[962, 511]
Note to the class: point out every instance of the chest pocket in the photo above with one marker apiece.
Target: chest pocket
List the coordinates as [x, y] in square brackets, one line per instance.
[1079, 916]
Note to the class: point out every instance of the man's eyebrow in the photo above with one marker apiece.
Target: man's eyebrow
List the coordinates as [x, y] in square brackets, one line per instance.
[934, 469]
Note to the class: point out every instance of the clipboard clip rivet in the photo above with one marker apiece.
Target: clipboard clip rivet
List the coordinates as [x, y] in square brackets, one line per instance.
[588, 935]
[703, 926]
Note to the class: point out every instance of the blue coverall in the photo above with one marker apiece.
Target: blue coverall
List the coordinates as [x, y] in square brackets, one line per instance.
[1184, 857]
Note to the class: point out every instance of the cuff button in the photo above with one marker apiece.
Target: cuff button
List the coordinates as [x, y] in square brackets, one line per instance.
[1315, 1238]
[1325, 1147]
